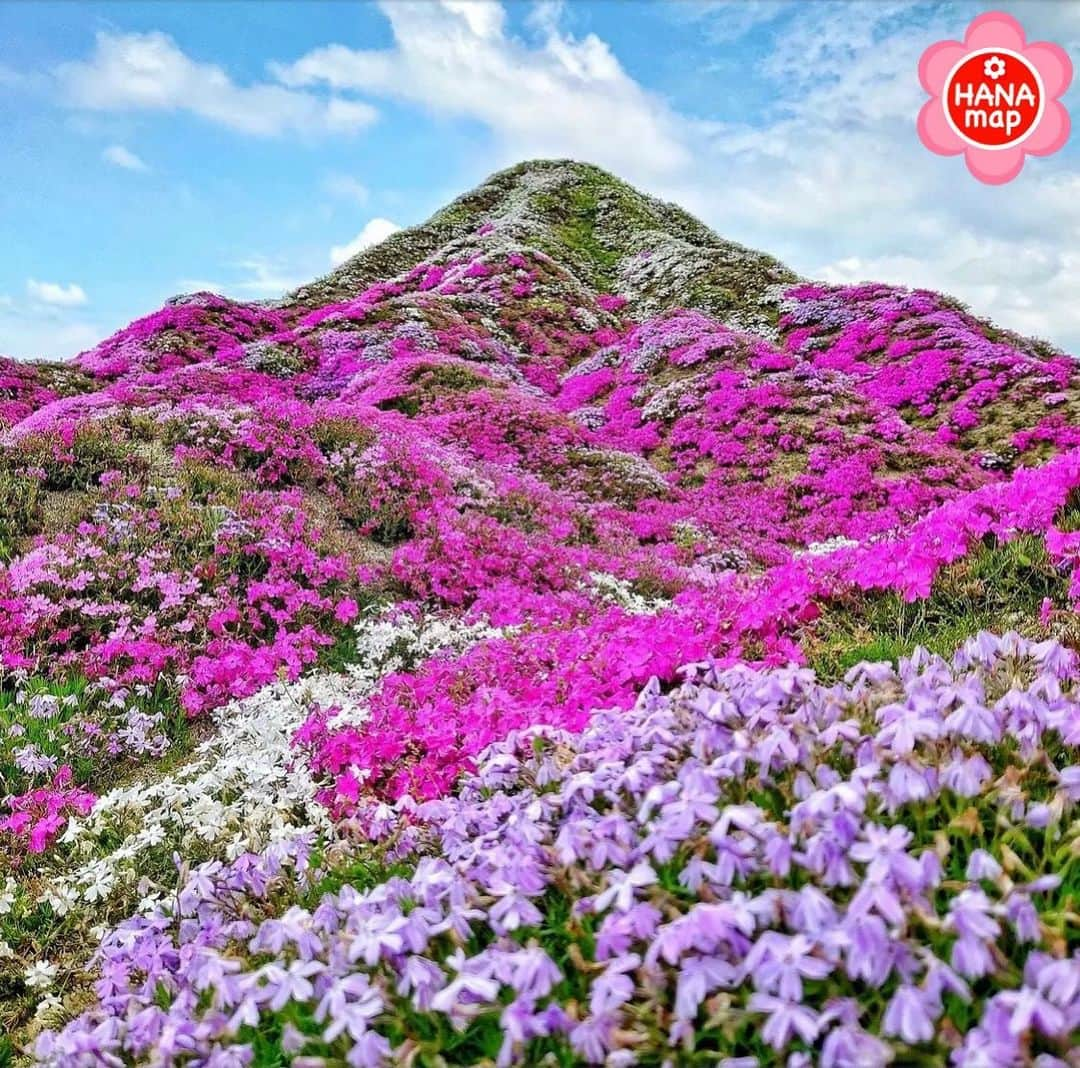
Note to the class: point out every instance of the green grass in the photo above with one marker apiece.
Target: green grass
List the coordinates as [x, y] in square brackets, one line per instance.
[996, 587]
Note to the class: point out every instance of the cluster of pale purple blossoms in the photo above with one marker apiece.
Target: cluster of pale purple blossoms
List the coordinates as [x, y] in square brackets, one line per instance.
[755, 869]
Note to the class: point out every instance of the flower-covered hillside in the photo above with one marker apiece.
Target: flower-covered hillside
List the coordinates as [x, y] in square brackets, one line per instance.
[272, 576]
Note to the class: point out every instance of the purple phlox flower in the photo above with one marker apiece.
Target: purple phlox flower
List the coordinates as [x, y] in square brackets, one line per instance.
[521, 1022]
[592, 1038]
[370, 1050]
[375, 936]
[699, 977]
[980, 650]
[910, 1015]
[1038, 815]
[811, 910]
[1056, 658]
[511, 911]
[210, 971]
[704, 928]
[200, 886]
[293, 1040]
[246, 1012]
[1029, 1010]
[609, 842]
[613, 987]
[877, 895]
[983, 1049]
[786, 1020]
[903, 725]
[574, 840]
[295, 926]
[884, 852]
[974, 721]
[848, 796]
[293, 983]
[98, 1045]
[1069, 778]
[657, 796]
[827, 857]
[350, 1004]
[1021, 912]
[971, 915]
[940, 979]
[1057, 980]
[622, 887]
[1024, 717]
[778, 963]
[748, 818]
[699, 792]
[966, 776]
[620, 929]
[464, 996]
[529, 971]
[908, 781]
[779, 749]
[981, 865]
[235, 1056]
[735, 859]
[778, 855]
[421, 977]
[1044, 884]
[849, 1046]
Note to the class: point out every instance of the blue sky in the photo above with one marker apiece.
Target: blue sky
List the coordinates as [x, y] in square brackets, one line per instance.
[153, 148]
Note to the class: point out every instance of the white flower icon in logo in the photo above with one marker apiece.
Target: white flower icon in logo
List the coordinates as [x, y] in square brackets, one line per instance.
[994, 67]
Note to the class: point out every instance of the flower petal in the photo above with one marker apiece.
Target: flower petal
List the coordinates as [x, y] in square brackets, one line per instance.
[995, 29]
[1052, 131]
[1054, 65]
[935, 131]
[936, 62]
[995, 168]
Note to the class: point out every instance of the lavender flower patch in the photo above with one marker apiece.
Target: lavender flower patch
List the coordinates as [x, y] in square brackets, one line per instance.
[753, 870]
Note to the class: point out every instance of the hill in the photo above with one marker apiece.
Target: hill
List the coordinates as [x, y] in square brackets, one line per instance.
[270, 569]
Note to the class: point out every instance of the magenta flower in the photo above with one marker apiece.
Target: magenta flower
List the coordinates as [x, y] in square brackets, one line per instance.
[994, 97]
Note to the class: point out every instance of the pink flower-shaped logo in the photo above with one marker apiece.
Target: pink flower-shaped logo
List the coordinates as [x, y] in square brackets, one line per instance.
[994, 97]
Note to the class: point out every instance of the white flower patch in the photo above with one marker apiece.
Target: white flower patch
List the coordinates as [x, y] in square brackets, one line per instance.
[825, 548]
[618, 591]
[247, 786]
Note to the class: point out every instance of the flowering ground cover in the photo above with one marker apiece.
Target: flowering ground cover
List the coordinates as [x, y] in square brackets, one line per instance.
[752, 867]
[484, 654]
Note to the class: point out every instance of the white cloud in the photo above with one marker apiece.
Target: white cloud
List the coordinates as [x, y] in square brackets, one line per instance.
[46, 339]
[375, 231]
[255, 278]
[836, 183]
[56, 295]
[730, 20]
[554, 96]
[124, 158]
[829, 175]
[346, 187]
[148, 71]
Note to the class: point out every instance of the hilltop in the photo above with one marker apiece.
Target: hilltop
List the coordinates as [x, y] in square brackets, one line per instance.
[558, 450]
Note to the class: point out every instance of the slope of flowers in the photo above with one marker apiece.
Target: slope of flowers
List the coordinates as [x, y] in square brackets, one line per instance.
[754, 866]
[425, 728]
[585, 490]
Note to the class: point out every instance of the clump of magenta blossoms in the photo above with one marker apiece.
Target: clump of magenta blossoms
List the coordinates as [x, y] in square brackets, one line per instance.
[753, 869]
